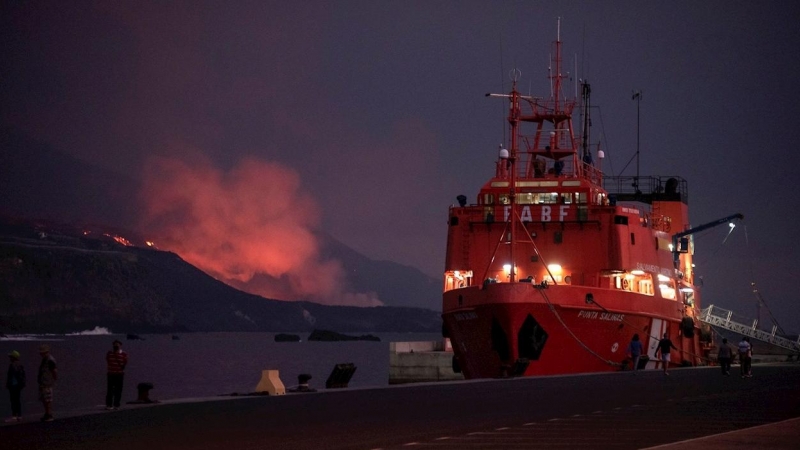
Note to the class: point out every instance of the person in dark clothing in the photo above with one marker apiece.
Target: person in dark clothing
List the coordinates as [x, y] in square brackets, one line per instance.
[15, 381]
[664, 346]
[724, 356]
[48, 375]
[635, 352]
[116, 359]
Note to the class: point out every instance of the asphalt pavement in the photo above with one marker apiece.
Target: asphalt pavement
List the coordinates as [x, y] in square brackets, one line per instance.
[691, 408]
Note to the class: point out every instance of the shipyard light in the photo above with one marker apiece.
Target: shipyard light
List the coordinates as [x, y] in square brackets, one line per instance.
[554, 268]
[732, 225]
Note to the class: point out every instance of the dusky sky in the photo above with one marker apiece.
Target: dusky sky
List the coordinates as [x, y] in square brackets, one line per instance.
[365, 119]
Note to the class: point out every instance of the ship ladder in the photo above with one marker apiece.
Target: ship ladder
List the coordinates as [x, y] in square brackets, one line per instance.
[721, 318]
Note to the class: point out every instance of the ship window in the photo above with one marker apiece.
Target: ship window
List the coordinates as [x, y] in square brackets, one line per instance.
[453, 221]
[580, 198]
[547, 198]
[566, 198]
[621, 220]
[525, 198]
[488, 199]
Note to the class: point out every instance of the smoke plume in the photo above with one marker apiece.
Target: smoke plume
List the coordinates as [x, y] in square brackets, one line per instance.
[251, 227]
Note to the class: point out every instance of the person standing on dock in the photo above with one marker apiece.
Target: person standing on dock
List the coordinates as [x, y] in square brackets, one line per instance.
[15, 381]
[664, 346]
[724, 357]
[635, 352]
[745, 357]
[116, 360]
[48, 375]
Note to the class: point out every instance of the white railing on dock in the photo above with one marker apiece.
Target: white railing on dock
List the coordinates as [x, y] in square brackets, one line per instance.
[719, 317]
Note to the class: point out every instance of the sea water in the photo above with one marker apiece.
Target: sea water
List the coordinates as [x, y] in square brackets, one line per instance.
[193, 365]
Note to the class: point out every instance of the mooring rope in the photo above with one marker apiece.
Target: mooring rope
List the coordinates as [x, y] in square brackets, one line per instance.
[586, 347]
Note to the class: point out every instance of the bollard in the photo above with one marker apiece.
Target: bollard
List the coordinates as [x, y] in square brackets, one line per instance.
[302, 381]
[302, 384]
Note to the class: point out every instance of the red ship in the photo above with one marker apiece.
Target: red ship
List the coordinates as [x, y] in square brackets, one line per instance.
[555, 267]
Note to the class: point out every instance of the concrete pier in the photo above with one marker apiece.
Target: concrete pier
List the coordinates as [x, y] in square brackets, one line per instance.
[690, 408]
[414, 362]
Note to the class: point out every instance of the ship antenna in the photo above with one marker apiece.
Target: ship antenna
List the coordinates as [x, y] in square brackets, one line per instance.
[637, 95]
[502, 86]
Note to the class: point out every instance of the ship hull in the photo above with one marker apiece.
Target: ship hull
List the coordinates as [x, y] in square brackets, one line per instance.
[519, 329]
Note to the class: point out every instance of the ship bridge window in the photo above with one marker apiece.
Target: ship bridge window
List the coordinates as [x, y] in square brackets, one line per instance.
[547, 198]
[580, 198]
[566, 198]
[488, 199]
[526, 198]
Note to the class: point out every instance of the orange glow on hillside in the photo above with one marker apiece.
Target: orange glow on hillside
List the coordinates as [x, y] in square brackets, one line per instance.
[251, 227]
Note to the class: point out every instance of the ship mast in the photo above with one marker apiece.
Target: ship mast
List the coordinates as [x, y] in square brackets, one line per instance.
[556, 114]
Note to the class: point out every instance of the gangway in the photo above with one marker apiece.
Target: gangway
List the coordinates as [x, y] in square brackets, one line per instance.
[721, 318]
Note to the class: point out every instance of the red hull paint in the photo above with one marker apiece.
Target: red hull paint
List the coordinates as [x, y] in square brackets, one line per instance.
[580, 337]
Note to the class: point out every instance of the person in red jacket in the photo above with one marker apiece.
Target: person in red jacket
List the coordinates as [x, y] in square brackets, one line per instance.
[116, 360]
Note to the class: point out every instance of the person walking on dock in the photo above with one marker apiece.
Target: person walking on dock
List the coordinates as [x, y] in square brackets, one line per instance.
[664, 346]
[48, 375]
[724, 357]
[745, 357]
[635, 352]
[116, 360]
[15, 381]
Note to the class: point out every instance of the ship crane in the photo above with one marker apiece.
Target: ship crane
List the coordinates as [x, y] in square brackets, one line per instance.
[683, 248]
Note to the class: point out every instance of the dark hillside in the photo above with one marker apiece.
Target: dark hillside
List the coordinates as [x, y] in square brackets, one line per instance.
[55, 279]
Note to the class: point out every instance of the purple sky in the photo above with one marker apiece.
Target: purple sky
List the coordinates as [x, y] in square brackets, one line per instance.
[378, 107]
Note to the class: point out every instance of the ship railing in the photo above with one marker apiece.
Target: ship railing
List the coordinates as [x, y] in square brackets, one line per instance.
[726, 319]
[528, 166]
[647, 189]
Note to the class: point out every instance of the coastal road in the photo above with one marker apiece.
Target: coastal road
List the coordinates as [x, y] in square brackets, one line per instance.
[594, 411]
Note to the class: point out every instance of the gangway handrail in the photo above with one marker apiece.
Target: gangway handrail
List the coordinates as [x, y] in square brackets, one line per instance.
[709, 316]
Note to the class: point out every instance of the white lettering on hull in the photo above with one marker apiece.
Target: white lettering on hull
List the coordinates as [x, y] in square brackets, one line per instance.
[545, 213]
[611, 317]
